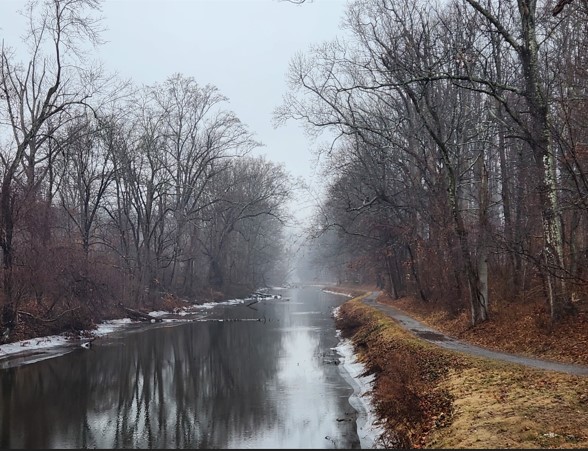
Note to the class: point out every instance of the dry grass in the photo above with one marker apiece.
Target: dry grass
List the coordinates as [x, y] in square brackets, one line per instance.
[510, 407]
[428, 397]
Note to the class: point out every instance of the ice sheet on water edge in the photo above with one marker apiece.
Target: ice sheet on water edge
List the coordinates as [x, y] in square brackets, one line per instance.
[158, 313]
[107, 327]
[368, 430]
[52, 341]
[208, 305]
[32, 344]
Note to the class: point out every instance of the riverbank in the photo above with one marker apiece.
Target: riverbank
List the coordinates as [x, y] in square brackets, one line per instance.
[36, 347]
[80, 320]
[428, 397]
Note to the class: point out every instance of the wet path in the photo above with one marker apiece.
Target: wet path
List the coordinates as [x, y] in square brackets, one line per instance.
[433, 336]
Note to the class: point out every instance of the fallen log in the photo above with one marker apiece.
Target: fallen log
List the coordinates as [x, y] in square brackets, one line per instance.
[140, 316]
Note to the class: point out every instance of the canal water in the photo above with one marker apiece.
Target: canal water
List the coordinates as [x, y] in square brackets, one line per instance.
[264, 375]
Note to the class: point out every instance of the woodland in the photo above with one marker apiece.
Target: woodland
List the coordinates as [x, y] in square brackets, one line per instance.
[115, 196]
[458, 172]
[456, 175]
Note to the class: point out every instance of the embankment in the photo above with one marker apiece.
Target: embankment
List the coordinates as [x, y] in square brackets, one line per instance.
[428, 397]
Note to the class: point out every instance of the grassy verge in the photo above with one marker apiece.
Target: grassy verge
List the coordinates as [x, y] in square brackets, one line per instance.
[428, 397]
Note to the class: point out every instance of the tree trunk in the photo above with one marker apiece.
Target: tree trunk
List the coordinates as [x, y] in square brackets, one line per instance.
[393, 288]
[6, 231]
[482, 177]
[479, 311]
[215, 276]
[545, 161]
[415, 274]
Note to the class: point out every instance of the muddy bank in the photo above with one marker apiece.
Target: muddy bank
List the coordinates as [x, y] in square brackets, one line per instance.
[428, 397]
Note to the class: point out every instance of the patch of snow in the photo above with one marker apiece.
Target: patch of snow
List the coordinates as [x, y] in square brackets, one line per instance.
[368, 429]
[158, 313]
[107, 327]
[33, 344]
[209, 305]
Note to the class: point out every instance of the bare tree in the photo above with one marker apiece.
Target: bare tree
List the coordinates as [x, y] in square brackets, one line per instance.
[35, 97]
[251, 192]
[478, 78]
[200, 137]
[536, 129]
[387, 76]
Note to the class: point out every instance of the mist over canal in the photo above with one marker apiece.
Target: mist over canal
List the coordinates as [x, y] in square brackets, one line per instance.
[236, 376]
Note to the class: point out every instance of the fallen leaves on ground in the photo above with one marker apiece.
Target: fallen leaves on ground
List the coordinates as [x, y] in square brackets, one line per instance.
[519, 328]
[428, 397]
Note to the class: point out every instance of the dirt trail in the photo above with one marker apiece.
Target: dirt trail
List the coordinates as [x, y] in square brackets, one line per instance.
[433, 336]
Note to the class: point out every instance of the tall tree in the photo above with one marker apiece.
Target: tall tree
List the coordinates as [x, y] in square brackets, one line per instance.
[522, 37]
[35, 95]
[201, 135]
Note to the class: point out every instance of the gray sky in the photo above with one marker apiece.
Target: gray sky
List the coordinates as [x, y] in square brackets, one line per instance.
[241, 46]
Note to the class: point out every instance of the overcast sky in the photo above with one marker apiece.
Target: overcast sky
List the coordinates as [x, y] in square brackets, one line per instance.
[241, 46]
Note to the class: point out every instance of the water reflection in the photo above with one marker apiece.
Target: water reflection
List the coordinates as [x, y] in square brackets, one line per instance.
[230, 384]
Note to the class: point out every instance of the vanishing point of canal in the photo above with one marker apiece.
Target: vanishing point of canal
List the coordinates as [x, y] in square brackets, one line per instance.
[234, 376]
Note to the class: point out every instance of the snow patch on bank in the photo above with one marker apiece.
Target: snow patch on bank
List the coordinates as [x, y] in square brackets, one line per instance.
[33, 344]
[209, 305]
[54, 341]
[368, 429]
[42, 344]
[107, 327]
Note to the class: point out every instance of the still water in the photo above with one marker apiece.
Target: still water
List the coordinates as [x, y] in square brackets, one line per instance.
[237, 376]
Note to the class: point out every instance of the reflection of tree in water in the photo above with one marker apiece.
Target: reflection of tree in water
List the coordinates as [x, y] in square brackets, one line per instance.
[240, 405]
[196, 385]
[186, 386]
[42, 398]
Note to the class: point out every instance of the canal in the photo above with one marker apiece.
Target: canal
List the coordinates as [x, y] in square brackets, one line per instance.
[265, 375]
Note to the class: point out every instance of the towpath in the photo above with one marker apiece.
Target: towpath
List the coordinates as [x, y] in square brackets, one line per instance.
[436, 337]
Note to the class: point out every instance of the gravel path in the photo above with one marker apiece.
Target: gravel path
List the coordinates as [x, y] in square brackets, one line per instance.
[434, 336]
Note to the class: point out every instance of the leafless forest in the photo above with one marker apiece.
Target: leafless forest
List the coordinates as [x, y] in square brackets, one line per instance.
[118, 194]
[457, 174]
